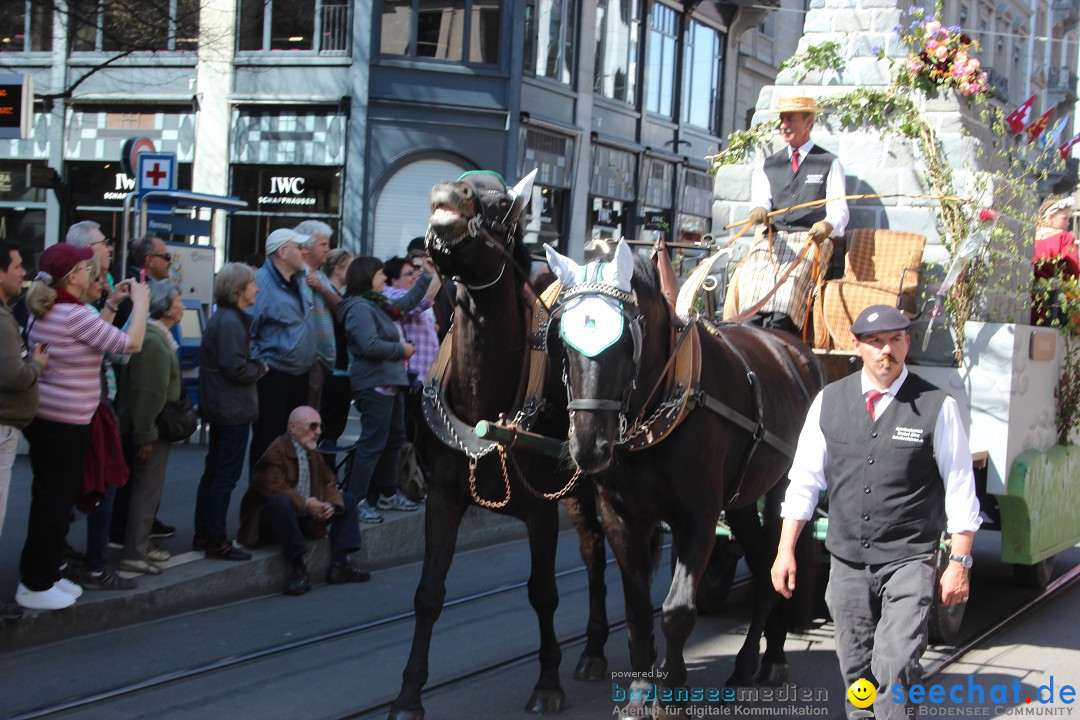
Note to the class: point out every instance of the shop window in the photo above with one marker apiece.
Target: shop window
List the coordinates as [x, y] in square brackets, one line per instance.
[120, 26]
[454, 30]
[617, 35]
[310, 26]
[663, 35]
[550, 38]
[702, 69]
[25, 26]
[544, 219]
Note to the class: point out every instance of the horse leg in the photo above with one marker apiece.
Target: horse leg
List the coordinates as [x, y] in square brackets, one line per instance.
[581, 508]
[543, 527]
[442, 519]
[630, 541]
[774, 666]
[694, 542]
[759, 556]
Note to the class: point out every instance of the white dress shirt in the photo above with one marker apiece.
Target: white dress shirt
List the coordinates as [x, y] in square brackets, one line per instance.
[836, 210]
[951, 453]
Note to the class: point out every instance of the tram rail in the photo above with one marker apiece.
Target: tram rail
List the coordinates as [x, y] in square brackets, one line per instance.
[286, 647]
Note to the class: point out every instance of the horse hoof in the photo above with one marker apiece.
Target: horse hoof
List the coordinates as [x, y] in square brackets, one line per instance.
[401, 714]
[545, 702]
[772, 674]
[590, 668]
[739, 679]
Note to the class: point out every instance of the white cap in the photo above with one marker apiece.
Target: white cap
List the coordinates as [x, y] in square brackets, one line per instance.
[284, 235]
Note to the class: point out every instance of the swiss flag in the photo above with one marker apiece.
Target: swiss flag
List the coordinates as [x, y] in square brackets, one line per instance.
[1018, 118]
[1064, 149]
[1036, 128]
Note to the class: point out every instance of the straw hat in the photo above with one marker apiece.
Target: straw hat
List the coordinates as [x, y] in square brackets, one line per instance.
[797, 104]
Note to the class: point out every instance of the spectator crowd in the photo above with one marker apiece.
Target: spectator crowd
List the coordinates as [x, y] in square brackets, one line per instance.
[90, 376]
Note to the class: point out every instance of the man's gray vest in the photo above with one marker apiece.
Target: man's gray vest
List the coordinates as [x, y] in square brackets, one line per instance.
[886, 496]
[790, 188]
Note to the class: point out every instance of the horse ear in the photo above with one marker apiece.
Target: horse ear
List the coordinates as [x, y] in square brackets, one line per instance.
[624, 264]
[564, 268]
[520, 195]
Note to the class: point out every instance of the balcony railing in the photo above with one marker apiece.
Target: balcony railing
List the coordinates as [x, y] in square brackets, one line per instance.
[334, 30]
[999, 83]
[1068, 10]
[1061, 80]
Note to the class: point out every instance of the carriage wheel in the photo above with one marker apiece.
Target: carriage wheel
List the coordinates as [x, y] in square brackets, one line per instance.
[1035, 576]
[719, 574]
[944, 626]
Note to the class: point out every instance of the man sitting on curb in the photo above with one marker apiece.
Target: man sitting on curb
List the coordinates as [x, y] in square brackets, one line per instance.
[292, 496]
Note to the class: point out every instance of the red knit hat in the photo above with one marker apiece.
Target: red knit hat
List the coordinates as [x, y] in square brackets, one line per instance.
[58, 260]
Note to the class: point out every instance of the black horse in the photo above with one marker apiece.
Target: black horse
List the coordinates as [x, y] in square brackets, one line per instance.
[473, 238]
[735, 443]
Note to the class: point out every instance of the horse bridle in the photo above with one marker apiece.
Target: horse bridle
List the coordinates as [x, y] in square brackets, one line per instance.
[476, 226]
[627, 305]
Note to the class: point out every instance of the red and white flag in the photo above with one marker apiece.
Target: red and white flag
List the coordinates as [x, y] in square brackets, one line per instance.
[1036, 128]
[1018, 118]
[1067, 147]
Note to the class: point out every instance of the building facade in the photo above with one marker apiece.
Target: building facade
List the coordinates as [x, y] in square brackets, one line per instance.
[348, 111]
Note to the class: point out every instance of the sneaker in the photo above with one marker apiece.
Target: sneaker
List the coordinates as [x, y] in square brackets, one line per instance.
[227, 551]
[52, 599]
[368, 513]
[142, 567]
[10, 611]
[299, 583]
[156, 554]
[161, 530]
[69, 587]
[107, 579]
[346, 572]
[397, 501]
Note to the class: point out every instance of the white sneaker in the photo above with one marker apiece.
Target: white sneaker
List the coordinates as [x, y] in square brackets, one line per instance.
[52, 599]
[72, 589]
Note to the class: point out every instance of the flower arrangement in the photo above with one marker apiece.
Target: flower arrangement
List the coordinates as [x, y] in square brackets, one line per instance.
[940, 57]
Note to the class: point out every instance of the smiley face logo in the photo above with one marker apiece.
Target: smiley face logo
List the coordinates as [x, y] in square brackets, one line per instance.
[862, 693]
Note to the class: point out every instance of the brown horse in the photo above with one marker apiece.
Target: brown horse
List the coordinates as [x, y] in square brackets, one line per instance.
[745, 412]
[473, 238]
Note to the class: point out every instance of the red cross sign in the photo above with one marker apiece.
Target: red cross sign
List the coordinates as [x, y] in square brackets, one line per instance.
[156, 171]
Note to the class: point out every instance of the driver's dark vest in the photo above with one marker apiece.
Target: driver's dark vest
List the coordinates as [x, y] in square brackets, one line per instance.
[790, 188]
[886, 496]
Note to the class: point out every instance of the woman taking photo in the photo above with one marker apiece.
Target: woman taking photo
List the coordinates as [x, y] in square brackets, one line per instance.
[379, 380]
[229, 401]
[70, 388]
[150, 379]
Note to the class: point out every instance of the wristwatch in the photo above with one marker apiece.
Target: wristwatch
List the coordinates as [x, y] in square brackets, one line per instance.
[965, 560]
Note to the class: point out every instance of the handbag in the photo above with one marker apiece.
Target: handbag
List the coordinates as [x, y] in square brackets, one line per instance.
[178, 419]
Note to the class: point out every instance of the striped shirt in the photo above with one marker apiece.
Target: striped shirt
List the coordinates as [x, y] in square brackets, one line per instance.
[78, 340]
[322, 320]
[418, 327]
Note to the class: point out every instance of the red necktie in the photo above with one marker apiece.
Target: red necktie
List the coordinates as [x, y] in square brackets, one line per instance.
[794, 161]
[871, 398]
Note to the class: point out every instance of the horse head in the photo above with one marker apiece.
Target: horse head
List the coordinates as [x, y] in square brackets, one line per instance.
[474, 226]
[601, 328]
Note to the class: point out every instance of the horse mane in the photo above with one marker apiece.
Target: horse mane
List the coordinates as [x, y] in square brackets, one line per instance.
[646, 279]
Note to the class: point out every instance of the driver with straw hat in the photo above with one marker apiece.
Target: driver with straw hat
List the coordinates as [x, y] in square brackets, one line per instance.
[799, 173]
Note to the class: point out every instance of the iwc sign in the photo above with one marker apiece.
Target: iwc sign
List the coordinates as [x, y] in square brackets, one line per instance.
[285, 190]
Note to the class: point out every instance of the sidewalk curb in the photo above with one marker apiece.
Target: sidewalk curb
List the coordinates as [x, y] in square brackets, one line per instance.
[191, 582]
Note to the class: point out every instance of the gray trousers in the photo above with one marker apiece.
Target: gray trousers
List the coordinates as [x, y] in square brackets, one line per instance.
[147, 480]
[880, 613]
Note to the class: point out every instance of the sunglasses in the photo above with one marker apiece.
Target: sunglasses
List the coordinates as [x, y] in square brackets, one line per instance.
[313, 426]
[107, 241]
[164, 256]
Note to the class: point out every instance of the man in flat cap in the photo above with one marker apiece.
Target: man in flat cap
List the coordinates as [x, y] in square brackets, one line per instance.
[800, 173]
[891, 453]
